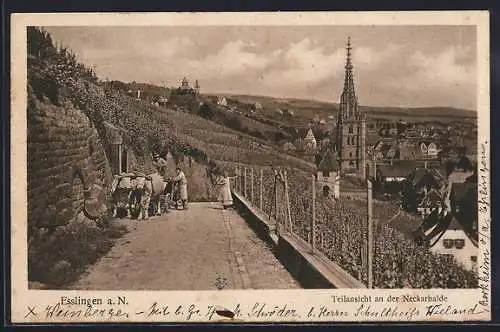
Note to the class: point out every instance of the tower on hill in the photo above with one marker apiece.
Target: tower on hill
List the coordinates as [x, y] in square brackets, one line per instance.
[185, 84]
[196, 87]
[350, 131]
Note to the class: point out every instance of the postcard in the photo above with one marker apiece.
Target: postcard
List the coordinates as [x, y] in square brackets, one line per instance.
[250, 167]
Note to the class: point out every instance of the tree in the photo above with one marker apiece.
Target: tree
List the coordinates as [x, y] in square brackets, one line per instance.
[409, 199]
[206, 111]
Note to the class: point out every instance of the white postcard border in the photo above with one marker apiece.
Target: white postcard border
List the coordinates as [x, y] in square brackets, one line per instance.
[24, 300]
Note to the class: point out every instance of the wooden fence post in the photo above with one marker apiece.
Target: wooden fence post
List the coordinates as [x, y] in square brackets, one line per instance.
[261, 189]
[241, 180]
[245, 183]
[287, 198]
[236, 179]
[251, 186]
[313, 231]
[370, 236]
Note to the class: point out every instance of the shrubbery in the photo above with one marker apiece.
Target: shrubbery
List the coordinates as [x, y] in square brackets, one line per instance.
[57, 257]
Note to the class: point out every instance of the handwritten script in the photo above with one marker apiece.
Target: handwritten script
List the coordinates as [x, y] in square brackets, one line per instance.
[484, 269]
[336, 308]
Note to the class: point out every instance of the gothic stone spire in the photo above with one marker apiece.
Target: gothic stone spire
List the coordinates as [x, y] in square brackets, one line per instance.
[348, 99]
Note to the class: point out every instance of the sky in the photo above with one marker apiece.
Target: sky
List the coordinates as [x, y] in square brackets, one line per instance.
[407, 66]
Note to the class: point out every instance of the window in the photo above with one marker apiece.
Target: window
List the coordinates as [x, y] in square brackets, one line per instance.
[448, 243]
[350, 130]
[448, 257]
[124, 161]
[326, 191]
[350, 154]
[473, 259]
[459, 243]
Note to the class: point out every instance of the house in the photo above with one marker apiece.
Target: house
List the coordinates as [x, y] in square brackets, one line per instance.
[433, 200]
[279, 111]
[328, 175]
[451, 237]
[424, 180]
[258, 106]
[409, 151]
[429, 150]
[288, 146]
[299, 144]
[412, 133]
[381, 150]
[394, 172]
[185, 84]
[221, 101]
[460, 170]
[310, 141]
[163, 100]
[393, 129]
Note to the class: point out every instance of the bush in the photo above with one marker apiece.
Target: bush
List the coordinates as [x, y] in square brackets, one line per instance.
[57, 257]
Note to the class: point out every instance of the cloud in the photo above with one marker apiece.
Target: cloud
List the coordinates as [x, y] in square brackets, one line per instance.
[233, 59]
[394, 72]
[444, 68]
[431, 78]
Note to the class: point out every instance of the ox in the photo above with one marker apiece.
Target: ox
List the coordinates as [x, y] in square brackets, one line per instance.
[148, 190]
[121, 190]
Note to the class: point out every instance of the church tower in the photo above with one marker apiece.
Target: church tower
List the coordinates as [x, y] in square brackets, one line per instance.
[351, 126]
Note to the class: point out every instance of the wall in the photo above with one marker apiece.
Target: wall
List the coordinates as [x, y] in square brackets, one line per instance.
[68, 174]
[65, 155]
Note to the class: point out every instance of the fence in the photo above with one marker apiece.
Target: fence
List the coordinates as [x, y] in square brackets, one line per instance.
[354, 232]
[291, 202]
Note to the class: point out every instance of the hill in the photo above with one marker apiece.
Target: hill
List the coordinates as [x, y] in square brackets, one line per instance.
[57, 75]
[308, 108]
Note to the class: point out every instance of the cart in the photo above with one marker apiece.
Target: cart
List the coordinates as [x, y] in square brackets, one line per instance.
[172, 195]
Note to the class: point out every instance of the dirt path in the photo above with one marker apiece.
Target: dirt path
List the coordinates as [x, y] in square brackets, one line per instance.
[202, 248]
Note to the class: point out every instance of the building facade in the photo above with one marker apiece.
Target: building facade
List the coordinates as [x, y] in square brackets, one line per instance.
[350, 130]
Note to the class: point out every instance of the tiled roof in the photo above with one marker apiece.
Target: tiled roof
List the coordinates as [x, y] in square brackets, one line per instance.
[437, 223]
[398, 169]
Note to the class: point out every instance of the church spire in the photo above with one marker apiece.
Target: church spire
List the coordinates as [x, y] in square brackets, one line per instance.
[348, 100]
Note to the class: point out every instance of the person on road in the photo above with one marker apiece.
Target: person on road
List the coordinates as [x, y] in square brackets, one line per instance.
[223, 183]
[181, 179]
[160, 164]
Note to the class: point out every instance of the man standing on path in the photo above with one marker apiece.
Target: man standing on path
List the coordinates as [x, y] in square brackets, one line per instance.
[181, 179]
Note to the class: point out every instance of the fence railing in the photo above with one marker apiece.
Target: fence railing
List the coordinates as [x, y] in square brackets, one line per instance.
[353, 231]
[292, 204]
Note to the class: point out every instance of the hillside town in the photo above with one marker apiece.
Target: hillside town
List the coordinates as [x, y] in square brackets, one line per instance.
[426, 167]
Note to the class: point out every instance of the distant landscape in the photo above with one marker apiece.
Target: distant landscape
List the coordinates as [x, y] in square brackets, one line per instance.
[308, 108]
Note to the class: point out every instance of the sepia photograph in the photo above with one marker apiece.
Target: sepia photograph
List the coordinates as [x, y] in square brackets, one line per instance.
[286, 157]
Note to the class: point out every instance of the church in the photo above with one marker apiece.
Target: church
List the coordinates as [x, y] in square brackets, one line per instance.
[349, 132]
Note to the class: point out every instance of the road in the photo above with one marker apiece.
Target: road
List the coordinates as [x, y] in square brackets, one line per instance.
[202, 248]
